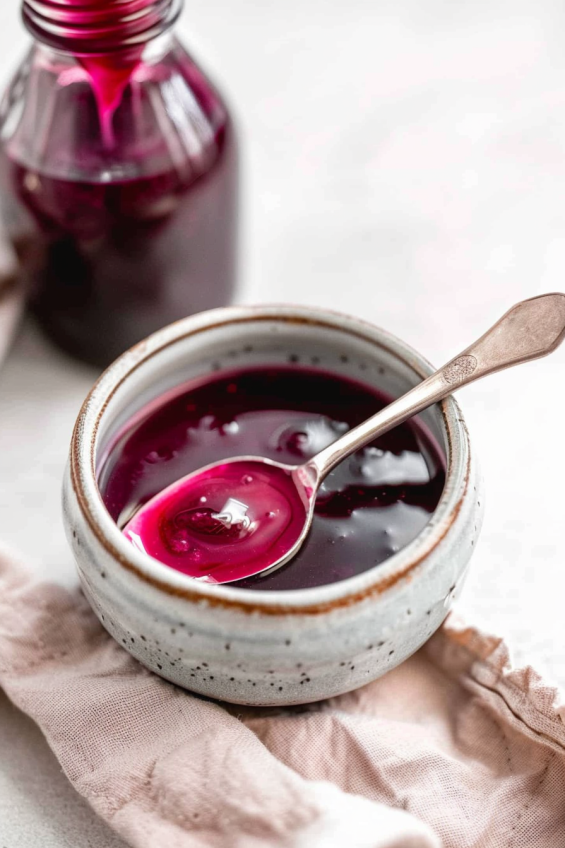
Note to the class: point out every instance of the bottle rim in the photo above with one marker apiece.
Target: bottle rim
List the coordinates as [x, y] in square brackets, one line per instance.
[87, 27]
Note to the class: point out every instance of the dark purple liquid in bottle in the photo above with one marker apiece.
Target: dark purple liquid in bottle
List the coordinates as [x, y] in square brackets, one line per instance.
[108, 264]
[370, 506]
[119, 183]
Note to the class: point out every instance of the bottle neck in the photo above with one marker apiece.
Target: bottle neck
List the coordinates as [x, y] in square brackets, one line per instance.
[95, 28]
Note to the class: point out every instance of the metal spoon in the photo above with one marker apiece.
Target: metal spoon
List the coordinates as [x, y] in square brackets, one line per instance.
[531, 329]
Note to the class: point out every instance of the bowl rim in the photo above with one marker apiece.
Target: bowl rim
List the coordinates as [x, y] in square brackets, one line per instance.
[345, 593]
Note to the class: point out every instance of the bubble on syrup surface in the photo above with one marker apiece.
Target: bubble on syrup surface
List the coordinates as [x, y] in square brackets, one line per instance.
[307, 438]
[181, 542]
[160, 455]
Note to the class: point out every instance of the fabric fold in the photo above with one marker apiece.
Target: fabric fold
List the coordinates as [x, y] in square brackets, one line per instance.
[452, 748]
[164, 767]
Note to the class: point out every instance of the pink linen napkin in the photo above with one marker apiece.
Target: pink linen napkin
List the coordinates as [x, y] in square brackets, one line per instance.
[453, 748]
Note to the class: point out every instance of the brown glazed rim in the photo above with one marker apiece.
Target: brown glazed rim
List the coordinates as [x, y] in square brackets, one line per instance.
[290, 602]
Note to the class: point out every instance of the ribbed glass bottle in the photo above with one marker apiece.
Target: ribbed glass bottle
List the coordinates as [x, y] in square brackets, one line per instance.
[118, 175]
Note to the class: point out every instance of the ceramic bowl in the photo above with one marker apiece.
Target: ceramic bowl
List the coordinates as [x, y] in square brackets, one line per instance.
[257, 647]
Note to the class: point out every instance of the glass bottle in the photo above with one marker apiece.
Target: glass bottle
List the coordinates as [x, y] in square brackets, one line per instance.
[118, 175]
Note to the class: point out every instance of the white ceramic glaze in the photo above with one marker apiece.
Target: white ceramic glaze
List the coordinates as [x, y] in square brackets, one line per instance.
[259, 647]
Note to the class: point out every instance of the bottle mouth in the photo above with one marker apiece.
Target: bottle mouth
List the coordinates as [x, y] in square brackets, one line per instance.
[90, 27]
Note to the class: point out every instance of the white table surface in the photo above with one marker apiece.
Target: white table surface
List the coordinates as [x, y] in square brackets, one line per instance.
[404, 161]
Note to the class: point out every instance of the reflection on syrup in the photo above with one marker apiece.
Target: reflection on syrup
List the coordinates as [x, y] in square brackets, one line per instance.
[369, 507]
[229, 524]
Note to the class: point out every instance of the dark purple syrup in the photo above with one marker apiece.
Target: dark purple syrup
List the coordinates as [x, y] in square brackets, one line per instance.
[370, 506]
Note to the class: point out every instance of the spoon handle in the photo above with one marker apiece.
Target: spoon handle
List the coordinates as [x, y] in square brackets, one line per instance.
[530, 330]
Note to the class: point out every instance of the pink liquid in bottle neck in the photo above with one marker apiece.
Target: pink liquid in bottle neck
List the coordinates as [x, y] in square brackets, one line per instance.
[107, 37]
[109, 77]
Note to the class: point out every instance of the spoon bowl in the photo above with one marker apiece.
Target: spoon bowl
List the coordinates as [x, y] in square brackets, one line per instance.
[228, 521]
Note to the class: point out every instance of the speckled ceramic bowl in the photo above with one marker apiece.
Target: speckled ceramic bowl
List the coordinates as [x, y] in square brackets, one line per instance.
[253, 647]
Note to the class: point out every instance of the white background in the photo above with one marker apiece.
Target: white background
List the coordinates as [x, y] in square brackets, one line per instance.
[405, 162]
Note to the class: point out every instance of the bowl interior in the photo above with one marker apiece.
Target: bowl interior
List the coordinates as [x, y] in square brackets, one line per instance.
[228, 339]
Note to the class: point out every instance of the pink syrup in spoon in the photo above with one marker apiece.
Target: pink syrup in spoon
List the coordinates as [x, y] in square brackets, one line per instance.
[225, 523]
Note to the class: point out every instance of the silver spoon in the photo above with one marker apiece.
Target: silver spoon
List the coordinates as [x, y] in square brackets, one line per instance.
[531, 329]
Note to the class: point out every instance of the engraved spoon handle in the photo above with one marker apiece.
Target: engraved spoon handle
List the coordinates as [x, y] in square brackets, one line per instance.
[531, 329]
